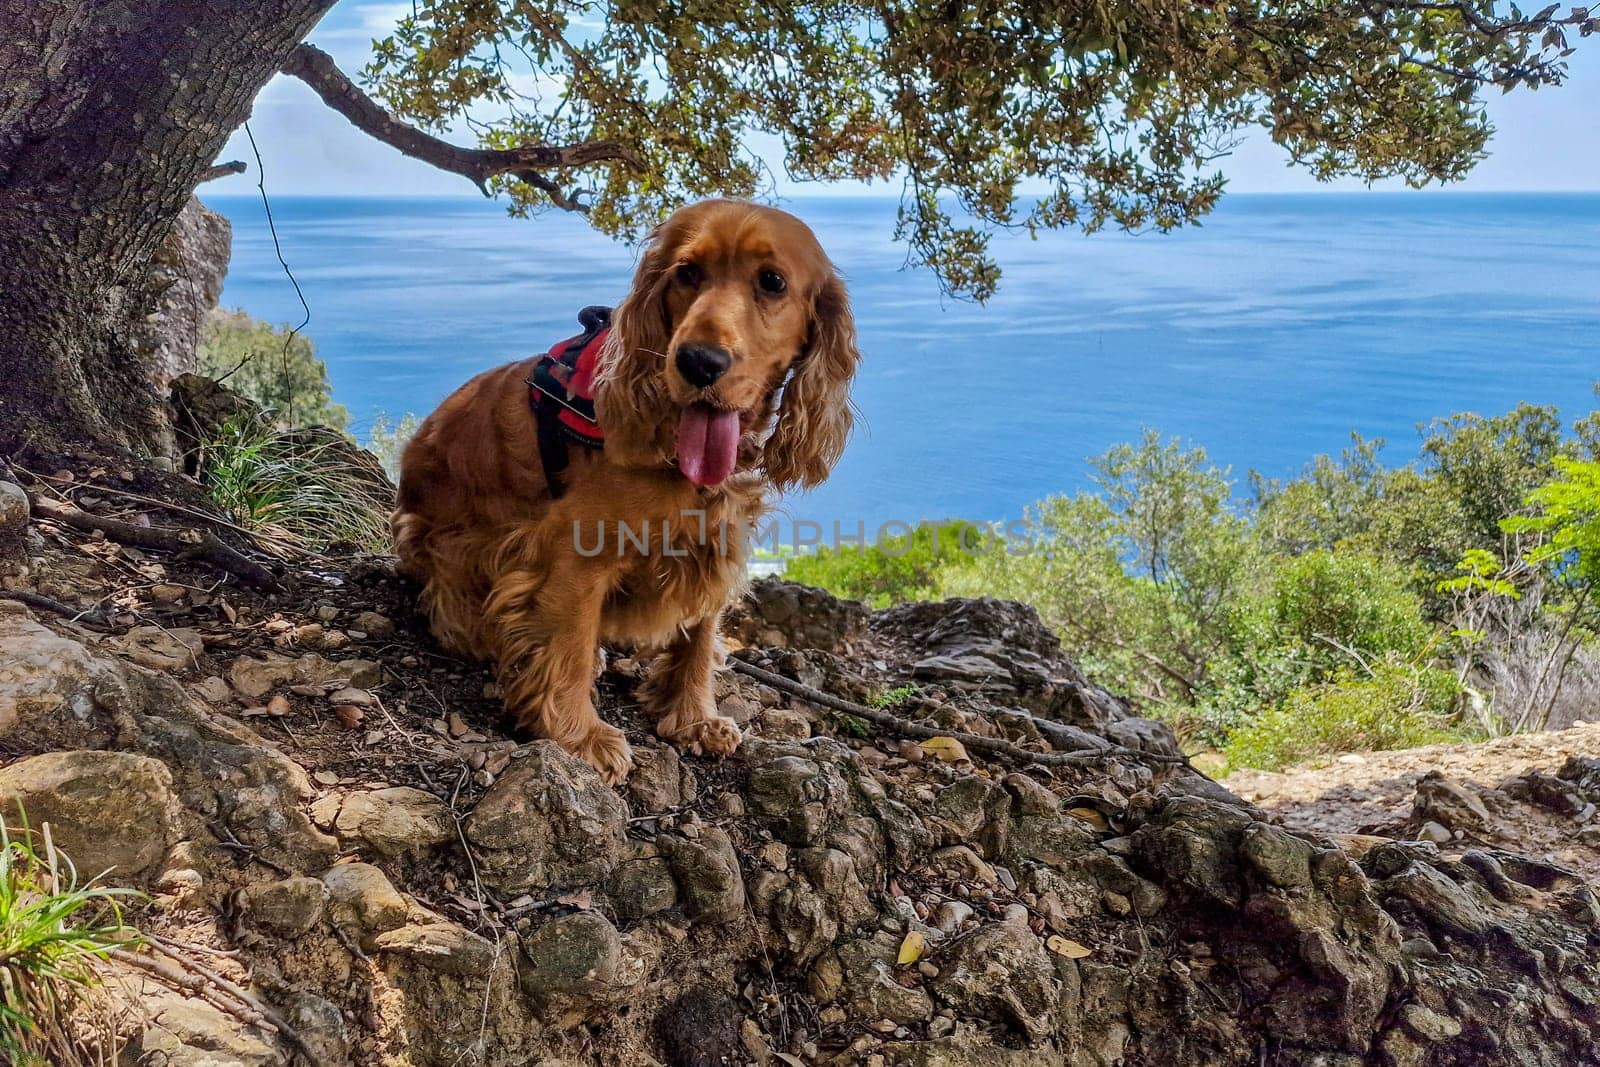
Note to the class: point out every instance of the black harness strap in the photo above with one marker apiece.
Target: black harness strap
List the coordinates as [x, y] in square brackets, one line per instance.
[549, 396]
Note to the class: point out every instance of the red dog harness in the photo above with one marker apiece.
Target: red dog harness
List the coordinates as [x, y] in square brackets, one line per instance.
[561, 393]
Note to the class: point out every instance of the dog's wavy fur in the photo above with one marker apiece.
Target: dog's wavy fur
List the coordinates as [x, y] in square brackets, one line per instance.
[502, 575]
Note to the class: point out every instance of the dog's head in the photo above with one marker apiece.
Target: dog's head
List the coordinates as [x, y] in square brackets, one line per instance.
[732, 302]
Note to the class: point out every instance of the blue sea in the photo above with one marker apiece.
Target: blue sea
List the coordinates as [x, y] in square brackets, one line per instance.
[1267, 335]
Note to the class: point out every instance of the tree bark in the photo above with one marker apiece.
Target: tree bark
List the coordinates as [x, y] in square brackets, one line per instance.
[110, 112]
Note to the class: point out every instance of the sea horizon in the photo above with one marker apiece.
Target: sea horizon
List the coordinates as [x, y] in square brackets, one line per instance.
[1267, 335]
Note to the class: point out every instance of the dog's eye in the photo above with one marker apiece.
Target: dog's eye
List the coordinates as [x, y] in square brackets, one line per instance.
[691, 275]
[771, 282]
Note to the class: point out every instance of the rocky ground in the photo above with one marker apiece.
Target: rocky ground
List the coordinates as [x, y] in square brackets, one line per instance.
[331, 821]
[1533, 793]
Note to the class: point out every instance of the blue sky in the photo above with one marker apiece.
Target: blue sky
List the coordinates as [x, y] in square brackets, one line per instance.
[1545, 141]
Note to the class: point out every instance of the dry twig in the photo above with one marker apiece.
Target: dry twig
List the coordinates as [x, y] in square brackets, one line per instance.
[188, 976]
[90, 617]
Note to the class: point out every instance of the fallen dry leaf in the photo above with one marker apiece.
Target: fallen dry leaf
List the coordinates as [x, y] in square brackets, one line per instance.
[912, 948]
[1063, 947]
[946, 748]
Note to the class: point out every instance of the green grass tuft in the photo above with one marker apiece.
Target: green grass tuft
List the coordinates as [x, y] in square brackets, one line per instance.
[299, 490]
[53, 931]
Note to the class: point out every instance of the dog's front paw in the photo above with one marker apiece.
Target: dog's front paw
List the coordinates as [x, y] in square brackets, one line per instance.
[712, 735]
[606, 750]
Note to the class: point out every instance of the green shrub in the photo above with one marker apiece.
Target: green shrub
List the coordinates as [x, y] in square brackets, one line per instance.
[892, 570]
[1395, 705]
[272, 365]
[1342, 604]
[52, 931]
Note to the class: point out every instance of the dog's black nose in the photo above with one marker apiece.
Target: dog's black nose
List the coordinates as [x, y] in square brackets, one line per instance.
[701, 364]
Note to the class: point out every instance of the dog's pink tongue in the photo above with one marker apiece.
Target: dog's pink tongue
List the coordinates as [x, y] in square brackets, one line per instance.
[708, 443]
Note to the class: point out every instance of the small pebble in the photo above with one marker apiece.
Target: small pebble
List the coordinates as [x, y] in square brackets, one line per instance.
[951, 914]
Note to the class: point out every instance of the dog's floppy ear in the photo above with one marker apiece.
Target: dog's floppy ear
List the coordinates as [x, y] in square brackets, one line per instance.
[630, 396]
[815, 417]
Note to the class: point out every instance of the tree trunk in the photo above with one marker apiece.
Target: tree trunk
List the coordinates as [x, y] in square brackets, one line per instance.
[110, 110]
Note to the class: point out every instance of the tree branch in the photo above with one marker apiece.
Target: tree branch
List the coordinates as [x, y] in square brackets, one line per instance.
[221, 170]
[316, 68]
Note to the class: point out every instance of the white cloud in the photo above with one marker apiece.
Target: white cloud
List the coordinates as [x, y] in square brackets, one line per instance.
[366, 22]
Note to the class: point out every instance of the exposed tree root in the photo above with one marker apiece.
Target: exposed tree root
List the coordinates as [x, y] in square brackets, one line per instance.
[202, 544]
[974, 742]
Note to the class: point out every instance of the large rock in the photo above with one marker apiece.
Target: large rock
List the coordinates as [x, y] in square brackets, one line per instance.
[1000, 646]
[776, 613]
[443, 947]
[160, 648]
[44, 677]
[642, 884]
[577, 953]
[107, 811]
[186, 275]
[869, 987]
[14, 513]
[1001, 972]
[361, 898]
[395, 821]
[548, 821]
[183, 1031]
[708, 876]
[57, 693]
[289, 906]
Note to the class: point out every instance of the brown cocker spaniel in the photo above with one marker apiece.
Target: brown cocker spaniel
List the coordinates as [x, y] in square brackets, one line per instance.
[725, 374]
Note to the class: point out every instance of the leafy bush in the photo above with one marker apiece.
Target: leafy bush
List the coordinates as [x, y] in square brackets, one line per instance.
[1395, 705]
[52, 931]
[1331, 502]
[272, 365]
[1338, 605]
[1144, 578]
[1568, 518]
[892, 570]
